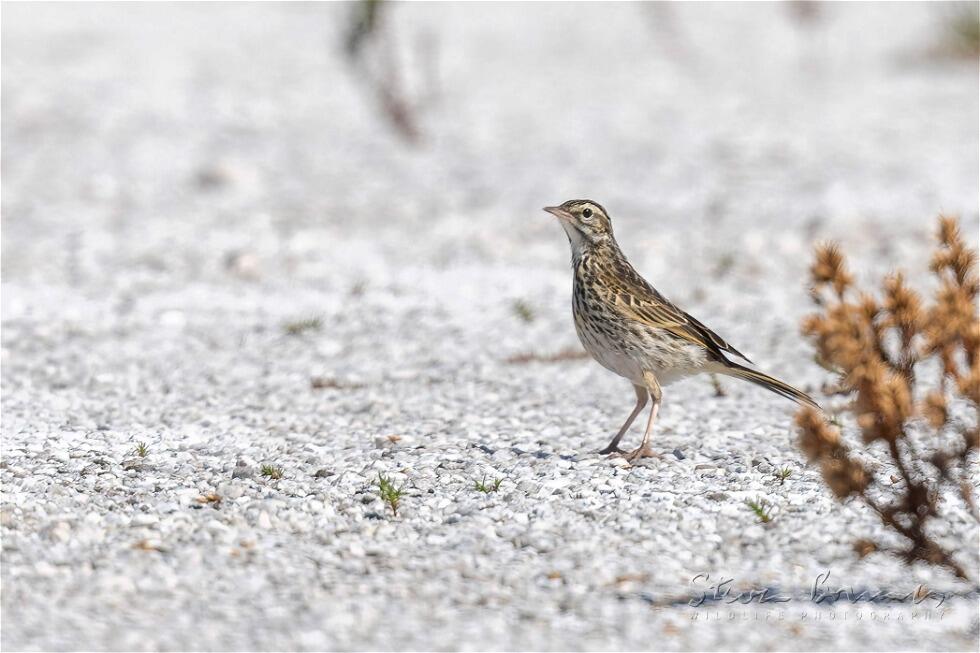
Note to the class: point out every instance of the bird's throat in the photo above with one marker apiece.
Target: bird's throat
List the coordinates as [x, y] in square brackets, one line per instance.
[576, 239]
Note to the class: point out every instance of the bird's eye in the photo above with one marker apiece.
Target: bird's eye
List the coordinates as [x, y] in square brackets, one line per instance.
[587, 213]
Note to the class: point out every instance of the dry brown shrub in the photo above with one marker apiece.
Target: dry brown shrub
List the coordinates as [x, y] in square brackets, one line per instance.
[883, 349]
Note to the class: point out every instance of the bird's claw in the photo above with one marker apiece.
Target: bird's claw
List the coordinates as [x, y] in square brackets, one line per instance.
[640, 452]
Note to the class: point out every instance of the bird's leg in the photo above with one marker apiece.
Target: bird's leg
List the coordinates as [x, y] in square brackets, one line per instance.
[644, 451]
[641, 401]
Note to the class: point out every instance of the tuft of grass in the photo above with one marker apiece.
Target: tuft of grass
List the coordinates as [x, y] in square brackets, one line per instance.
[302, 325]
[390, 494]
[272, 472]
[762, 510]
[783, 474]
[482, 486]
[142, 449]
[357, 288]
[523, 310]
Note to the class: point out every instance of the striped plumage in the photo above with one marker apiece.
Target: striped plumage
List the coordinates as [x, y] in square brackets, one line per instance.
[633, 330]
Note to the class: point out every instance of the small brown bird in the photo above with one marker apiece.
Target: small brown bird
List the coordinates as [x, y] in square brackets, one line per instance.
[633, 330]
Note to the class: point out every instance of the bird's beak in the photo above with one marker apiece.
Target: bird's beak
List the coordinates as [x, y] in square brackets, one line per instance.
[559, 212]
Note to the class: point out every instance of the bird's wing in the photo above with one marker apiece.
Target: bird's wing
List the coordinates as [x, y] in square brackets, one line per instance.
[638, 300]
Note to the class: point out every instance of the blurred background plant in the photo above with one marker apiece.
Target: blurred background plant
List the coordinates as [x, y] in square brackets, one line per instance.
[372, 50]
[887, 354]
[962, 30]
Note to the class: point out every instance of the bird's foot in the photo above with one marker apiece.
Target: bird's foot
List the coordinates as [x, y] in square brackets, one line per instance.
[640, 452]
[612, 450]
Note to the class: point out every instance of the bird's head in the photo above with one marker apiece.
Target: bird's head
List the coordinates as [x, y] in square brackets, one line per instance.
[586, 223]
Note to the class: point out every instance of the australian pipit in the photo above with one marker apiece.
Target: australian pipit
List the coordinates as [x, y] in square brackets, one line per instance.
[633, 330]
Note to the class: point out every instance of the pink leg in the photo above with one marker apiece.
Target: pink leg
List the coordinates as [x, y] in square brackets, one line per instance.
[641, 401]
[644, 450]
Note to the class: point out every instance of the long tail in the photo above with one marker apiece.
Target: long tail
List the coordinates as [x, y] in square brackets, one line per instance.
[767, 382]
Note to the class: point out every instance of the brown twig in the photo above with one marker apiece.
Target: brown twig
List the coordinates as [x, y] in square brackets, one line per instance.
[875, 347]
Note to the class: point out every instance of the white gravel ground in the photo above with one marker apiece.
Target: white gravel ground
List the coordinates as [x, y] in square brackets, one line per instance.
[180, 182]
